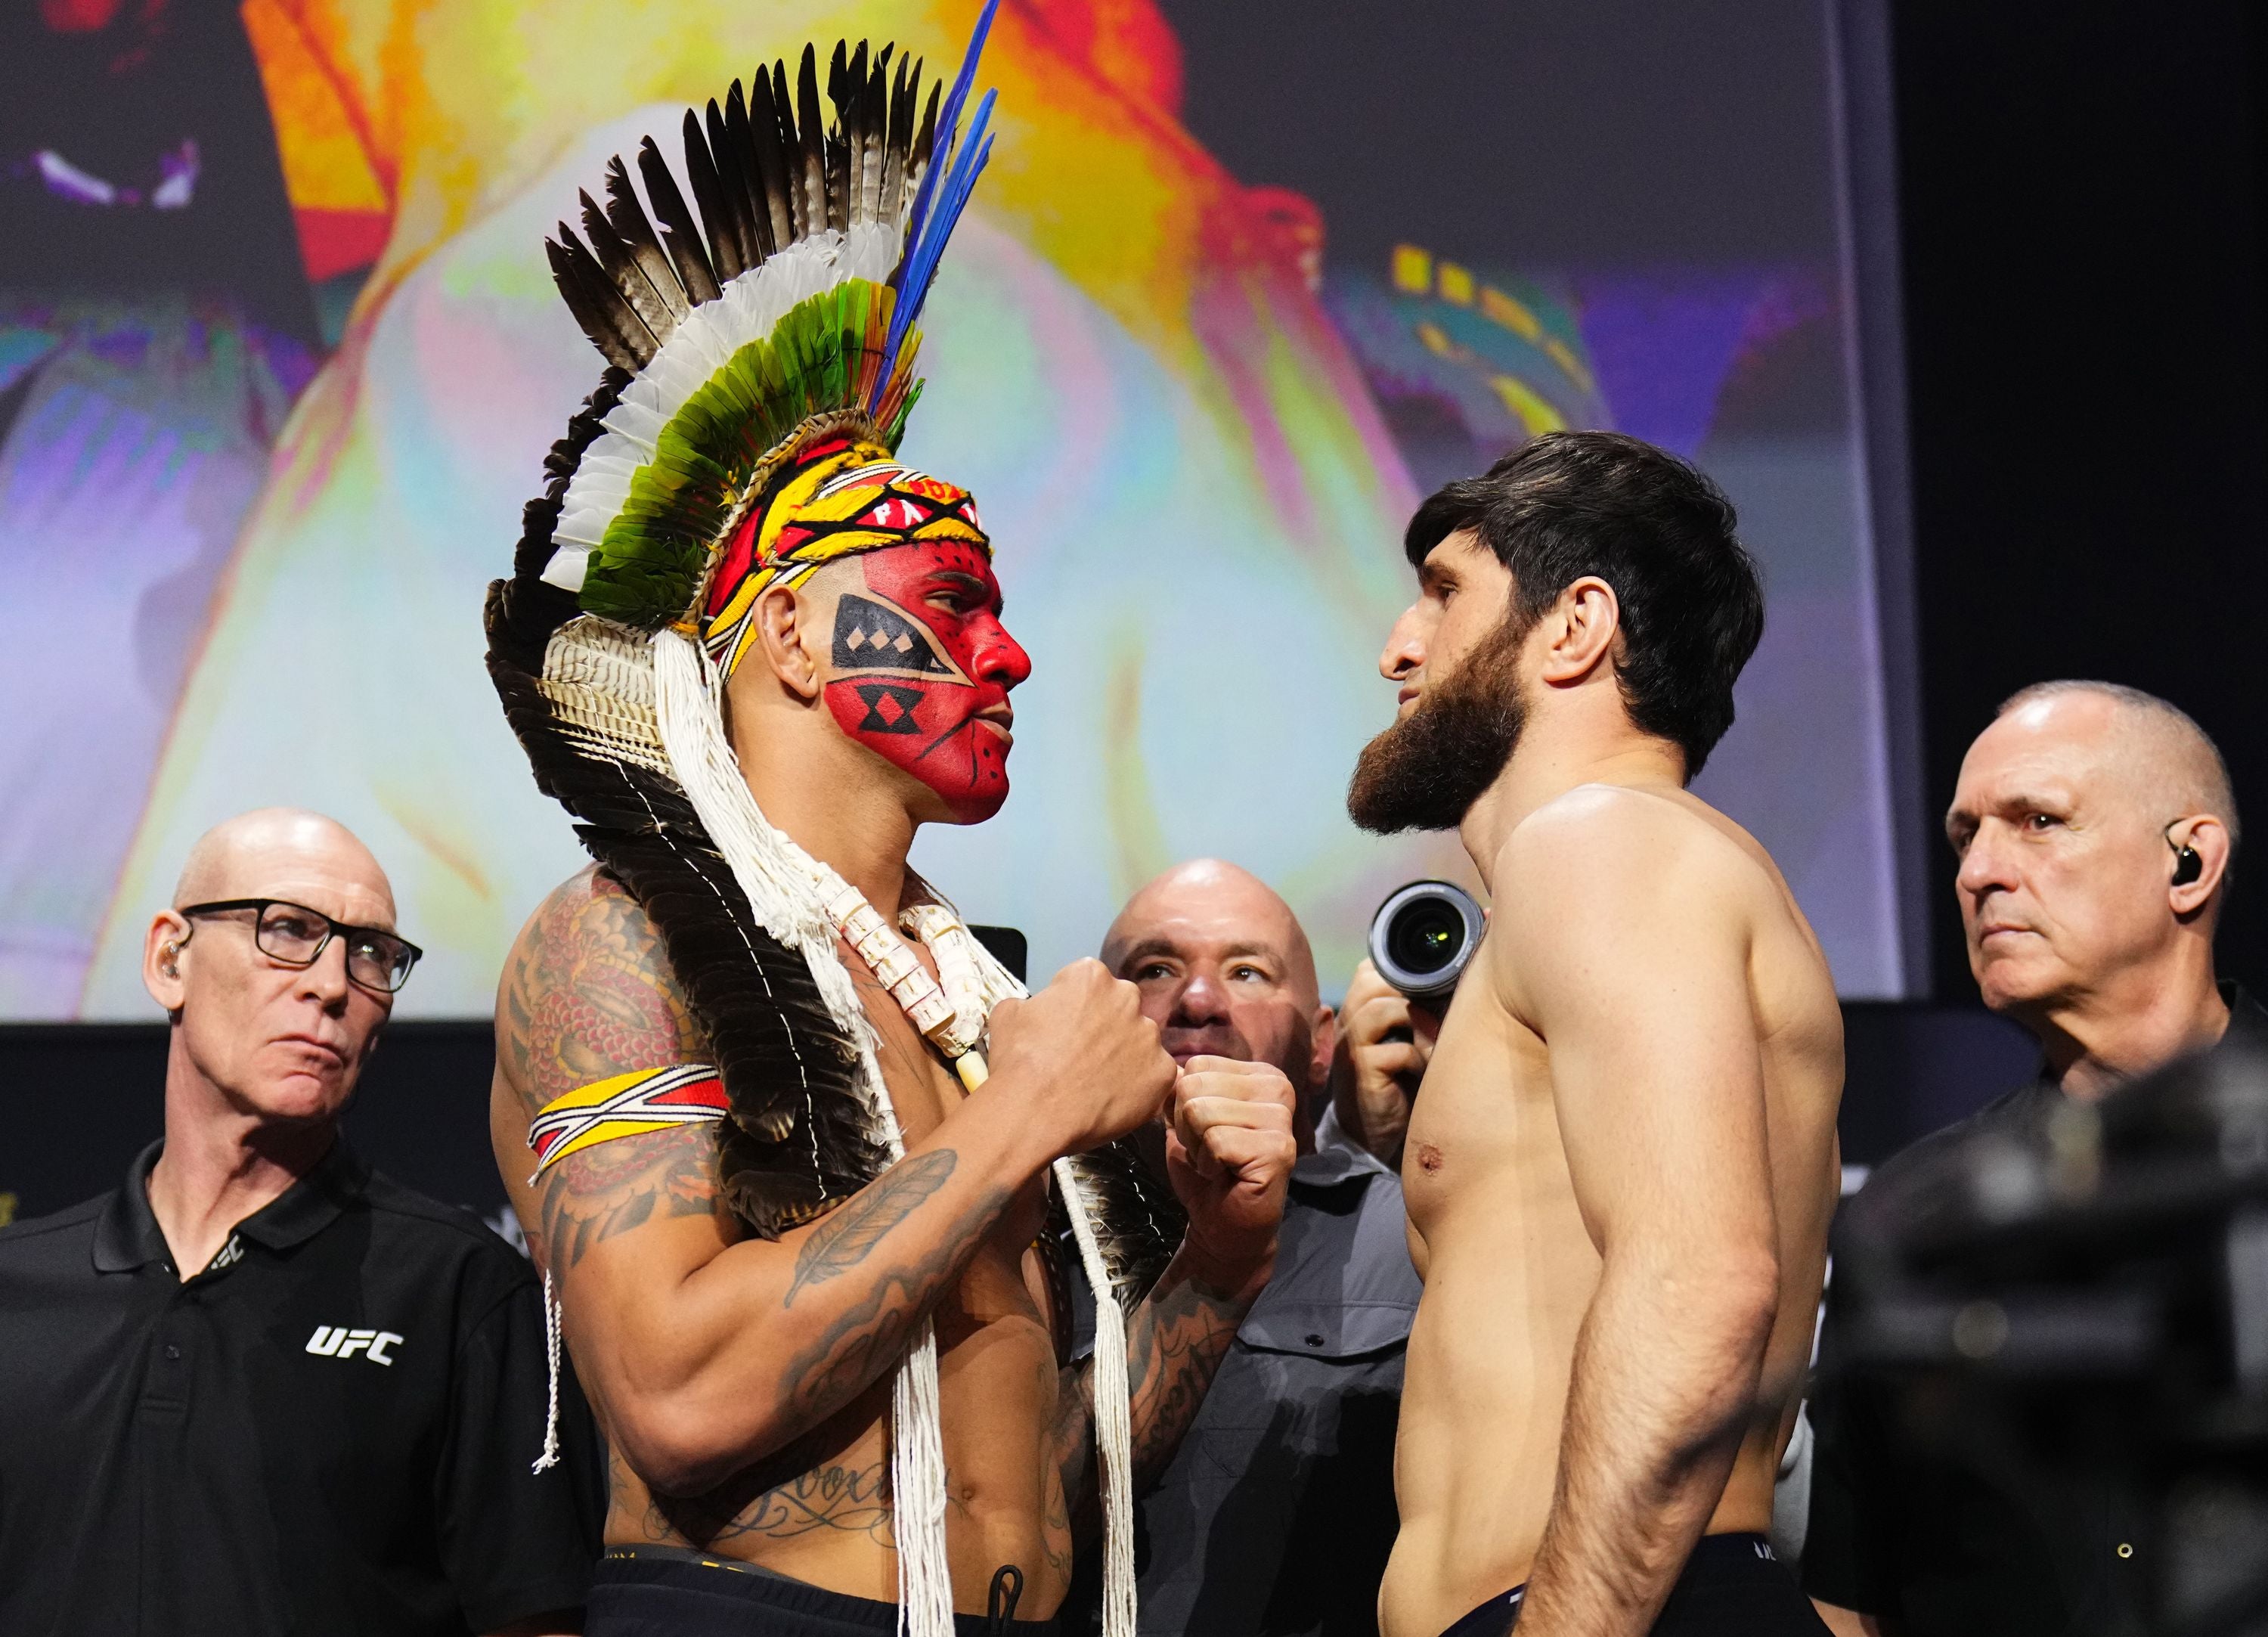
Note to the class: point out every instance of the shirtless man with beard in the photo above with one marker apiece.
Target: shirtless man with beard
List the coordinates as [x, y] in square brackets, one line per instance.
[1622, 1162]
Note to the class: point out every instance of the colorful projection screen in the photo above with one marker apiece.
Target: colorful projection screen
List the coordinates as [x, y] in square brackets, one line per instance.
[280, 359]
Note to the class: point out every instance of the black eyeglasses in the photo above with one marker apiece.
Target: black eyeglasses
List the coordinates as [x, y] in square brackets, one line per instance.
[297, 936]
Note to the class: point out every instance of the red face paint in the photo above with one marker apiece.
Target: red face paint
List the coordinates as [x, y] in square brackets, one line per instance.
[920, 657]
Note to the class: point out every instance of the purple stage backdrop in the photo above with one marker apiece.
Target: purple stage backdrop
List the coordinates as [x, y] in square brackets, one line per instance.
[279, 360]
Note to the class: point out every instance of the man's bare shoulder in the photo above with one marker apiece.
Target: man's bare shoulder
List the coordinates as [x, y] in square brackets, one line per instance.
[589, 898]
[1612, 879]
[587, 993]
[1609, 838]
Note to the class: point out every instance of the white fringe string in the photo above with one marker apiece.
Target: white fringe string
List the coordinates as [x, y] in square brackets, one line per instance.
[917, 1493]
[917, 1468]
[1114, 1419]
[549, 1458]
[689, 712]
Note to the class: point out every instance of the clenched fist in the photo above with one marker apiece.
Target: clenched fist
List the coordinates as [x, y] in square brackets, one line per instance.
[1229, 1153]
[1081, 1057]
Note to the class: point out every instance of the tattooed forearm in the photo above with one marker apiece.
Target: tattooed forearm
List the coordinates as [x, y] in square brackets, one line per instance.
[867, 1339]
[1173, 1348]
[1056, 1540]
[848, 1237]
[1074, 1436]
[1174, 1343]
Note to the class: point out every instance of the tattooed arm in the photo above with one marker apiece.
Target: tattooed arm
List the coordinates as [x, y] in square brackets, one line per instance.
[707, 1351]
[1175, 1342]
[1229, 1155]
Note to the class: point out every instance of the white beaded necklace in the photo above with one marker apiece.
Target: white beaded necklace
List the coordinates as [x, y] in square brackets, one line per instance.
[950, 1010]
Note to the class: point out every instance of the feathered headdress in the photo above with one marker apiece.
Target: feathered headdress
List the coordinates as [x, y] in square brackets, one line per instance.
[760, 370]
[769, 363]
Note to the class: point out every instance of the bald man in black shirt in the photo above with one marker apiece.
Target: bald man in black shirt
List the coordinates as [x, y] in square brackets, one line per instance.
[259, 1389]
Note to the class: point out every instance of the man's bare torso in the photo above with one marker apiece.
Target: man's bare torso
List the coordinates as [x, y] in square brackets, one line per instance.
[1510, 1265]
[820, 1509]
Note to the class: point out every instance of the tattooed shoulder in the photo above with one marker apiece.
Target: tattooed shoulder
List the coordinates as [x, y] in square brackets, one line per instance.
[586, 994]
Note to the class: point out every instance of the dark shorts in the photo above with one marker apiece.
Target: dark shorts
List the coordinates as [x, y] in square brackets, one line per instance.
[1732, 1586]
[665, 1592]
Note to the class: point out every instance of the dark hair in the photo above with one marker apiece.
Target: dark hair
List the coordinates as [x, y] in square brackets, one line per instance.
[1651, 527]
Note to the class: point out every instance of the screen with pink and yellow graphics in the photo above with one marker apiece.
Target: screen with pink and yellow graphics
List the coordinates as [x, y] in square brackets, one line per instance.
[280, 359]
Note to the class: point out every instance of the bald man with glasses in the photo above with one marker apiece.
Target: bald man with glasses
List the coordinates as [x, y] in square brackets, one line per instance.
[2093, 831]
[259, 1388]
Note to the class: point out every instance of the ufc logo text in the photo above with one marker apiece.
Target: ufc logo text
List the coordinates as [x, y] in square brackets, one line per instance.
[336, 1341]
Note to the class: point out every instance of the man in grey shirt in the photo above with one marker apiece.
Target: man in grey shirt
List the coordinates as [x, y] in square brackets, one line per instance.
[1277, 1513]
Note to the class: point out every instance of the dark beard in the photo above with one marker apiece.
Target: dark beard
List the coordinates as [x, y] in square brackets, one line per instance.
[1427, 769]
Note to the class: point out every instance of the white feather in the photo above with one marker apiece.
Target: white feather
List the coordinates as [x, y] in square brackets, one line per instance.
[749, 308]
[566, 569]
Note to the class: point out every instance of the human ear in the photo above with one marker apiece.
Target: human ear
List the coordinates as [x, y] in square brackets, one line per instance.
[2208, 838]
[1580, 630]
[163, 951]
[784, 620]
[1326, 1046]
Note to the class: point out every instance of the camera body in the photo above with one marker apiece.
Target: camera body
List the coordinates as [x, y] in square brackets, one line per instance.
[2072, 1308]
[1422, 938]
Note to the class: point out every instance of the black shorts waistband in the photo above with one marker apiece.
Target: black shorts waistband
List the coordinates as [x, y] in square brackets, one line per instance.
[673, 1591]
[1492, 1619]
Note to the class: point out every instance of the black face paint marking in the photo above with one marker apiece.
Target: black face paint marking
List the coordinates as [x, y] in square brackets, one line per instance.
[888, 709]
[870, 635]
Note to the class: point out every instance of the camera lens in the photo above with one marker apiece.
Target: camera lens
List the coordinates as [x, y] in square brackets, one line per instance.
[1425, 937]
[1422, 937]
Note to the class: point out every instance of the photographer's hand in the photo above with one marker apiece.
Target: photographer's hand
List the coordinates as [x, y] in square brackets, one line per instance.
[1384, 1045]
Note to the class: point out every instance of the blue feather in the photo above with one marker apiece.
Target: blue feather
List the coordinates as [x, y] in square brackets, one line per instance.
[919, 272]
[967, 159]
[948, 123]
[958, 186]
[937, 203]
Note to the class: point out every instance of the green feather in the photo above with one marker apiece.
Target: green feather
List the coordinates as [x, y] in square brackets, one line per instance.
[647, 569]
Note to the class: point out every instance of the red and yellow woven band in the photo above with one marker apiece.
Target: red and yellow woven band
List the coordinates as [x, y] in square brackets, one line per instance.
[625, 1105]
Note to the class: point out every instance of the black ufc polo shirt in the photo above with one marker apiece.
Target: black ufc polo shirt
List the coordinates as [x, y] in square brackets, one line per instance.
[327, 1431]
